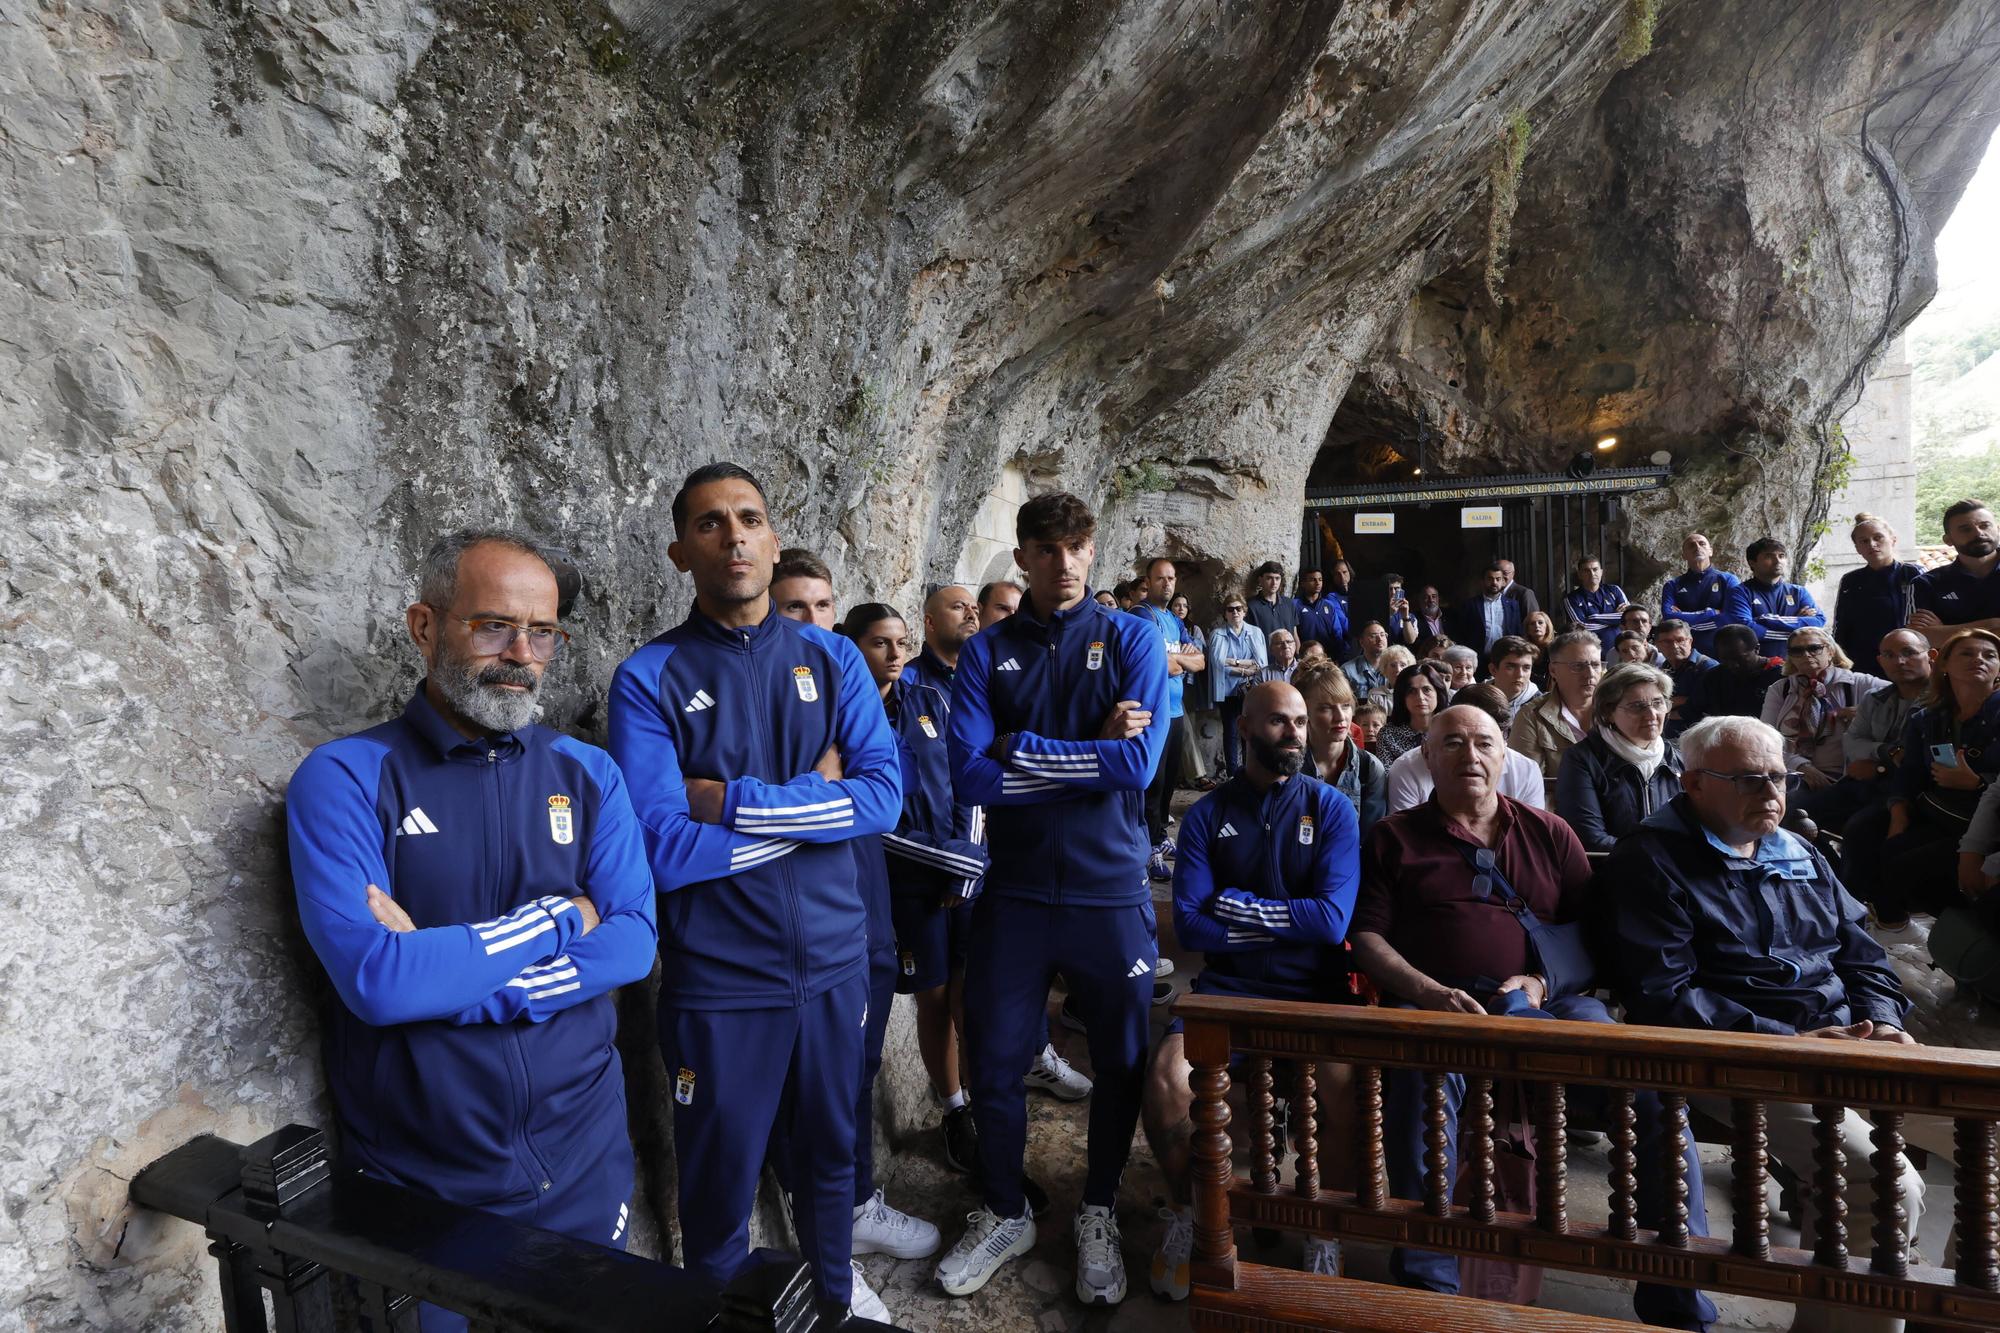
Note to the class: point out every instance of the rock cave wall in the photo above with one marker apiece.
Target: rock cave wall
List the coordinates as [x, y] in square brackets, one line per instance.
[287, 288]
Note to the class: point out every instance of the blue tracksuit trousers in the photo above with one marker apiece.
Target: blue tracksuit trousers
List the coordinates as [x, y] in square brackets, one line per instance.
[881, 996]
[1106, 956]
[1403, 1114]
[736, 1075]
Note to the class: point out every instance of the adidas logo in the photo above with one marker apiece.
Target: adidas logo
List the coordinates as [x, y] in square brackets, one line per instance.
[1226, 831]
[1139, 968]
[1009, 665]
[700, 701]
[417, 822]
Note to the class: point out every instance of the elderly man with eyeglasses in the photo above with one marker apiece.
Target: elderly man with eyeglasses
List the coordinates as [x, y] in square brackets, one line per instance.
[475, 886]
[1724, 921]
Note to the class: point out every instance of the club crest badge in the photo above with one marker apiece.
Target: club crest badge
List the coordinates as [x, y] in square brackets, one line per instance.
[1096, 657]
[684, 1087]
[802, 679]
[930, 729]
[1305, 830]
[561, 825]
[909, 964]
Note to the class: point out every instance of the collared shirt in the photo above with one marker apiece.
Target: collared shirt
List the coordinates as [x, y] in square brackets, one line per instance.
[1271, 616]
[1955, 595]
[927, 668]
[1363, 677]
[1417, 890]
[1245, 644]
[1494, 609]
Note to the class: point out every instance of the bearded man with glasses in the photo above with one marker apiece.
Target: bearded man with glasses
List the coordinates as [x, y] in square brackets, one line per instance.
[1724, 921]
[475, 886]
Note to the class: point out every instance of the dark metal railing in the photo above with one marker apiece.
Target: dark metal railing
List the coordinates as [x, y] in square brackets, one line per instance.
[307, 1250]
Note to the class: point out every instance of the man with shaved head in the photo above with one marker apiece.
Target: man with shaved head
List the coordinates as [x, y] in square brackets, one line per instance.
[1263, 886]
[951, 616]
[1472, 903]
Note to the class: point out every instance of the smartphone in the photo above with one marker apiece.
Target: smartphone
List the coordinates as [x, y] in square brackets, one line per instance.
[1945, 756]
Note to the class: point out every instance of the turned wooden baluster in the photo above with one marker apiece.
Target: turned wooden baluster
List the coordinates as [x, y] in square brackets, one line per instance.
[1479, 1104]
[1552, 1157]
[1978, 1196]
[1306, 1129]
[1208, 1053]
[1263, 1131]
[1437, 1148]
[1752, 1169]
[1829, 1187]
[1673, 1166]
[1892, 1241]
[1370, 1161]
[1624, 1221]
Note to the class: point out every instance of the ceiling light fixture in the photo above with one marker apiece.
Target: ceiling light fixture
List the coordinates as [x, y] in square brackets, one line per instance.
[1608, 442]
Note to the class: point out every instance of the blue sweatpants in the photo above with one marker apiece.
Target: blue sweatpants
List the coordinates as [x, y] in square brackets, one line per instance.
[882, 972]
[1106, 955]
[589, 1198]
[737, 1074]
[1403, 1115]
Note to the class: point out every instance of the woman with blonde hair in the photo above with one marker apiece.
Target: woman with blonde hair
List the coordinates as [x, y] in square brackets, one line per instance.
[1331, 753]
[1812, 705]
[1395, 659]
[1538, 629]
[1876, 598]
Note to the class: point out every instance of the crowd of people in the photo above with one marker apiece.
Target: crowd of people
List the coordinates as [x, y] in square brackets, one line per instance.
[805, 811]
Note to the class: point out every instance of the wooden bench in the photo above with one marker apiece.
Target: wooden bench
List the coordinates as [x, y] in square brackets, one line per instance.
[1884, 1082]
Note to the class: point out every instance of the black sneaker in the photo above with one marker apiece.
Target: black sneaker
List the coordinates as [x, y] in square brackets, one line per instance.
[961, 1140]
[1037, 1197]
[1162, 991]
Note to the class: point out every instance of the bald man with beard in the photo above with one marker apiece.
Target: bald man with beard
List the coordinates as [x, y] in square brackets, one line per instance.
[951, 616]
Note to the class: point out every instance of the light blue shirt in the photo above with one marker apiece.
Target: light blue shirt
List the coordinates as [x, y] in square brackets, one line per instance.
[1225, 643]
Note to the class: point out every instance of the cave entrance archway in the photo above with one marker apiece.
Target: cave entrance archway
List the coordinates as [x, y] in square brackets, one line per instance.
[1445, 531]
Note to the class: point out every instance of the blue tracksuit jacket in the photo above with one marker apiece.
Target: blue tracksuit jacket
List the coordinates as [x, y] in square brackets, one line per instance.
[1264, 886]
[1325, 620]
[1774, 610]
[935, 849]
[1597, 611]
[761, 910]
[1706, 601]
[1065, 822]
[471, 1057]
[927, 668]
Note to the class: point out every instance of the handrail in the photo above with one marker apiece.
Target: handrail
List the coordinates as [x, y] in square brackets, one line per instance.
[332, 1250]
[1747, 1070]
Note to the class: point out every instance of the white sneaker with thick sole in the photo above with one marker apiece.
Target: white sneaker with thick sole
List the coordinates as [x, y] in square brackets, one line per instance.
[988, 1242]
[1100, 1257]
[1322, 1255]
[1170, 1261]
[1056, 1076]
[864, 1303]
[880, 1229]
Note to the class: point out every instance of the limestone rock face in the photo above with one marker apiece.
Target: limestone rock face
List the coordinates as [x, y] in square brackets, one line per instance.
[286, 288]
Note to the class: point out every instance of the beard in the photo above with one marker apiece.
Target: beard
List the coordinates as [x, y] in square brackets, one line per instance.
[1284, 760]
[478, 696]
[1979, 548]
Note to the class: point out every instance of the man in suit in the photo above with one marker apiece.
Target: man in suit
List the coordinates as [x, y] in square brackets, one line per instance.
[1488, 614]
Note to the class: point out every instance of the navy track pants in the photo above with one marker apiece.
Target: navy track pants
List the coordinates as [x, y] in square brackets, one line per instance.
[736, 1075]
[1106, 956]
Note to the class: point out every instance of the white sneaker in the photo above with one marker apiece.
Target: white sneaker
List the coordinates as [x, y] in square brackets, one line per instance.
[1323, 1256]
[988, 1242]
[1100, 1258]
[1056, 1076]
[864, 1303]
[1170, 1261]
[880, 1229]
[1163, 967]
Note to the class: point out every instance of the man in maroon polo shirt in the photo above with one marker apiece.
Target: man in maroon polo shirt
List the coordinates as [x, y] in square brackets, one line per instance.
[1435, 927]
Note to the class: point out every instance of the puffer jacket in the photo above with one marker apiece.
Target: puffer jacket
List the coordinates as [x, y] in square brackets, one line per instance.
[1601, 796]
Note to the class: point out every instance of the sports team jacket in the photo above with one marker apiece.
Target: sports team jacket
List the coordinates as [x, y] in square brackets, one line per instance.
[1065, 822]
[927, 668]
[471, 1057]
[1597, 611]
[1264, 886]
[1706, 601]
[1774, 610]
[934, 851]
[763, 909]
[1325, 620]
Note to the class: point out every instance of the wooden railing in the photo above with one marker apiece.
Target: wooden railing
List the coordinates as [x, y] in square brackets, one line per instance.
[1885, 1082]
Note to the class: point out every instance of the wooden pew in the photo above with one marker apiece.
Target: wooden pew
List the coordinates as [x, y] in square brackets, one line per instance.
[1884, 1082]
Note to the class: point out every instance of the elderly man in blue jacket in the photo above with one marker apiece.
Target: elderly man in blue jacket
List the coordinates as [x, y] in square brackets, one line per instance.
[1722, 920]
[475, 886]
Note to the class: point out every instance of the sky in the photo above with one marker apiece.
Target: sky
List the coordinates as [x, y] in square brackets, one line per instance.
[1968, 260]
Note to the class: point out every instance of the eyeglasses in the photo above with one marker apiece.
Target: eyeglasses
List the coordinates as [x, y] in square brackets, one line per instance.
[1578, 666]
[1908, 654]
[1806, 650]
[1234, 606]
[1750, 784]
[491, 637]
[1640, 707]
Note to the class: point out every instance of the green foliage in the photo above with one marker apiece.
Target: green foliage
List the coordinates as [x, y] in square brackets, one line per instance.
[1940, 358]
[1943, 479]
[1139, 479]
[1504, 178]
[1635, 39]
